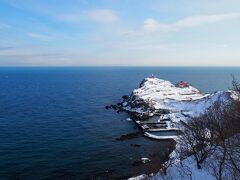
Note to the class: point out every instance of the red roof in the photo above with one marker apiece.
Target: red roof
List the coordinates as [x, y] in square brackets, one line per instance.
[183, 84]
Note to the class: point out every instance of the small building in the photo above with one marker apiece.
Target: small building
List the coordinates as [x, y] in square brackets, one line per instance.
[183, 84]
[152, 76]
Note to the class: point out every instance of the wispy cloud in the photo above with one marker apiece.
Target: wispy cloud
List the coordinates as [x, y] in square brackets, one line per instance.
[152, 25]
[4, 48]
[38, 36]
[45, 56]
[29, 56]
[97, 15]
[70, 17]
[3, 25]
[102, 15]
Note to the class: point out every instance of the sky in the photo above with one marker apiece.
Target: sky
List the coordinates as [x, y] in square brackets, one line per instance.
[119, 33]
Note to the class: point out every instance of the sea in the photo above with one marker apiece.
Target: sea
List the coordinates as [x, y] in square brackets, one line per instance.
[54, 125]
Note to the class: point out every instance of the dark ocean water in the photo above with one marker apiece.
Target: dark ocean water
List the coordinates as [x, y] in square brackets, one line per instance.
[53, 124]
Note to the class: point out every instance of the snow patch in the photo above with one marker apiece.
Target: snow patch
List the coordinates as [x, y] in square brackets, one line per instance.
[128, 119]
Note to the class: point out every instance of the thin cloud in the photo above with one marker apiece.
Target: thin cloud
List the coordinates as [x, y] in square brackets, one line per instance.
[3, 25]
[152, 25]
[71, 17]
[97, 15]
[4, 48]
[38, 36]
[102, 15]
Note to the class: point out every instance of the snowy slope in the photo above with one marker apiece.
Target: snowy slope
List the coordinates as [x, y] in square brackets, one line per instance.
[155, 94]
[187, 169]
[182, 103]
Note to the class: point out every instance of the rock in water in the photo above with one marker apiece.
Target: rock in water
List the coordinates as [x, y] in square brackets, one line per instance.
[128, 119]
[145, 160]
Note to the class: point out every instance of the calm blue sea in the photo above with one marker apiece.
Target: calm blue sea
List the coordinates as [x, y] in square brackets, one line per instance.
[53, 124]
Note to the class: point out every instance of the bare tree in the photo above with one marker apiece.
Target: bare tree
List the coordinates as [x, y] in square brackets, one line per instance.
[196, 140]
[235, 84]
[214, 138]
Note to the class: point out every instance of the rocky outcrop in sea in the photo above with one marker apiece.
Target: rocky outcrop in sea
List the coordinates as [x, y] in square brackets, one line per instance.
[159, 107]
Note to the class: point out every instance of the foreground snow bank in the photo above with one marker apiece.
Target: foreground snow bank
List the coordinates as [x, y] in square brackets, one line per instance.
[185, 169]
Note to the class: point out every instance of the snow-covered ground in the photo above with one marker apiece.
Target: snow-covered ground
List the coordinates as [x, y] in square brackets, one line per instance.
[181, 102]
[158, 89]
[187, 169]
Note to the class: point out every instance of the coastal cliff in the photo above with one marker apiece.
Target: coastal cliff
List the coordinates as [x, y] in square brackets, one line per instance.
[158, 105]
[158, 101]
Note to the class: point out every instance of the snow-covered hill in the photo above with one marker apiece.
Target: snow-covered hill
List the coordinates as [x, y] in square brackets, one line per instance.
[160, 100]
[154, 95]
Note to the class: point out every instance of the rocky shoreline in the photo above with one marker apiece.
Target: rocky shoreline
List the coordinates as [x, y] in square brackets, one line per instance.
[159, 108]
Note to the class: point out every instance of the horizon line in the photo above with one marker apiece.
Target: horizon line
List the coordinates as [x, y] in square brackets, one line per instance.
[130, 66]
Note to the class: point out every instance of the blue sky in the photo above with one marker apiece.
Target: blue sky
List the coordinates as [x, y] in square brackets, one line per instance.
[119, 32]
